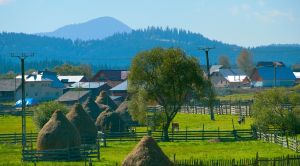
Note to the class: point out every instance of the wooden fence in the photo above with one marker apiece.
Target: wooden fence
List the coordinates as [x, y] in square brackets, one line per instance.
[16, 113]
[241, 107]
[289, 160]
[185, 135]
[282, 140]
[84, 152]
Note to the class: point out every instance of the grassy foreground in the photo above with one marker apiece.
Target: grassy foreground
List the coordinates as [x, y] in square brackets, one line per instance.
[117, 151]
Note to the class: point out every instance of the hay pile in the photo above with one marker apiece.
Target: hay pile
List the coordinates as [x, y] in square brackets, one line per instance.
[92, 108]
[122, 110]
[58, 133]
[104, 99]
[109, 120]
[147, 153]
[84, 124]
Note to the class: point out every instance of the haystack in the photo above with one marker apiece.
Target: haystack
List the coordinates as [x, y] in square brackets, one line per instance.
[58, 133]
[103, 98]
[84, 124]
[92, 108]
[147, 153]
[122, 110]
[109, 120]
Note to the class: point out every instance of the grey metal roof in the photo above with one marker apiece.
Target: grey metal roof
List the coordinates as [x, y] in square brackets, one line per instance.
[9, 84]
[73, 95]
[121, 87]
[87, 85]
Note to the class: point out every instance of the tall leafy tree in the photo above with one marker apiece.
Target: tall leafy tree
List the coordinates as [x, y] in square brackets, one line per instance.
[167, 77]
[68, 69]
[224, 60]
[245, 61]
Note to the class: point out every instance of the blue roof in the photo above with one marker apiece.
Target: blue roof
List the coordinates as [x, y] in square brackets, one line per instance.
[56, 83]
[121, 87]
[282, 73]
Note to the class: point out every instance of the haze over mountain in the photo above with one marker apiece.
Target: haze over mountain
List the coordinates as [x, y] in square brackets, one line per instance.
[95, 29]
[117, 50]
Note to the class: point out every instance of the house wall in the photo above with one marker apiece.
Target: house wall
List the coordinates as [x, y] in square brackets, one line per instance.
[7, 96]
[40, 90]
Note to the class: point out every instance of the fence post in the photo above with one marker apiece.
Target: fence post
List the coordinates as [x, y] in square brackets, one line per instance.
[185, 134]
[203, 132]
[219, 132]
[15, 137]
[174, 158]
[287, 140]
[104, 139]
[288, 160]
[256, 159]
[98, 149]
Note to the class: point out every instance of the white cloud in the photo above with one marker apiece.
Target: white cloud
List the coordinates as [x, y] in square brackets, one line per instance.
[4, 2]
[275, 15]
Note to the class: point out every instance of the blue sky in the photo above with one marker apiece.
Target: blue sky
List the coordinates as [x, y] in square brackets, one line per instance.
[242, 22]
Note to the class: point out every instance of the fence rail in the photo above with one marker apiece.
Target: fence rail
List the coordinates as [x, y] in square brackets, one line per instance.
[84, 152]
[240, 107]
[282, 140]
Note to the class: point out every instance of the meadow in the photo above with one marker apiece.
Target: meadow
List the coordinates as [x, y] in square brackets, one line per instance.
[115, 152]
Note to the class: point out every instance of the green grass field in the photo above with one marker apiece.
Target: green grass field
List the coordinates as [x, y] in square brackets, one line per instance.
[242, 96]
[10, 154]
[116, 152]
[12, 124]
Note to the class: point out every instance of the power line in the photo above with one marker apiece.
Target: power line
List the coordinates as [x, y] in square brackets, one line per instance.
[206, 50]
[22, 57]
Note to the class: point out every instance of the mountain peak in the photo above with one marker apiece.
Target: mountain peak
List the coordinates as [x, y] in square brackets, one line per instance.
[95, 29]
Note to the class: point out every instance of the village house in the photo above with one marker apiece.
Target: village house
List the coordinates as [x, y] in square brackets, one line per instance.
[94, 87]
[74, 96]
[297, 75]
[119, 93]
[270, 74]
[8, 88]
[69, 80]
[42, 86]
[112, 77]
[229, 78]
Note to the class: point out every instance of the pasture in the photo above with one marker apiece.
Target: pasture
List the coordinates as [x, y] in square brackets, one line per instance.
[116, 151]
[10, 154]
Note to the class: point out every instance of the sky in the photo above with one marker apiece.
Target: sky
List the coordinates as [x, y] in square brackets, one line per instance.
[243, 22]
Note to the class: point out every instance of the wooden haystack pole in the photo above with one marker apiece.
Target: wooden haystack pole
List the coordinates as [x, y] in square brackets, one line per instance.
[147, 153]
[84, 124]
[59, 133]
[91, 107]
[104, 99]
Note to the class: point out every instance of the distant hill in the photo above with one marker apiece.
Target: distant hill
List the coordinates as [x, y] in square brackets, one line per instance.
[119, 49]
[95, 29]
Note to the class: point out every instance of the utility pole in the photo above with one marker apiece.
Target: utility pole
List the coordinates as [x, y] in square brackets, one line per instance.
[206, 50]
[22, 57]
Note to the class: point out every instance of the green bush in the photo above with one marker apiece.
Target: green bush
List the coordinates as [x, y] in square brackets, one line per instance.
[43, 112]
[277, 108]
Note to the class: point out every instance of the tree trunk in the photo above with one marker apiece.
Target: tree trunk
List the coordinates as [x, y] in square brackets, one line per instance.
[166, 130]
